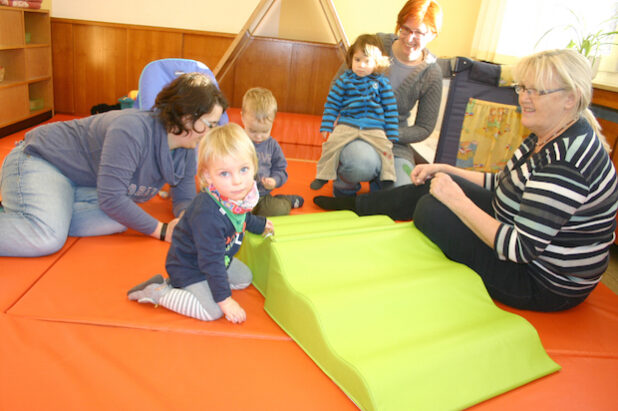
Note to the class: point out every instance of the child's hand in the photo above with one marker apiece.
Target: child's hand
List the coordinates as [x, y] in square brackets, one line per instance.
[170, 227]
[232, 310]
[324, 134]
[269, 229]
[269, 183]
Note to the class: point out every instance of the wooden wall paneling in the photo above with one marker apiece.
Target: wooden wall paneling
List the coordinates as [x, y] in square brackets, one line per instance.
[226, 63]
[609, 130]
[100, 66]
[206, 48]
[242, 39]
[265, 63]
[225, 70]
[144, 46]
[96, 63]
[227, 86]
[605, 98]
[609, 100]
[312, 70]
[62, 66]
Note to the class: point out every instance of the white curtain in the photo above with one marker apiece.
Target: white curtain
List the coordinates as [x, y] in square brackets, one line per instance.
[509, 29]
[488, 28]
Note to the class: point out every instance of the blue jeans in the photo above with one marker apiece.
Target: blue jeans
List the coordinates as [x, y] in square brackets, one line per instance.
[41, 207]
[359, 162]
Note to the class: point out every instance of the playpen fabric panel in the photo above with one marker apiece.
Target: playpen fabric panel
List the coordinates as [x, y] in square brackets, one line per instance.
[469, 79]
[490, 133]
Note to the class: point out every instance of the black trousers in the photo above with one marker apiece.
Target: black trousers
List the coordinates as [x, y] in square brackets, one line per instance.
[506, 281]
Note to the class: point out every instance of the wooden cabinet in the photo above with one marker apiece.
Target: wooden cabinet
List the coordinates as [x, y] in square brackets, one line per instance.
[26, 91]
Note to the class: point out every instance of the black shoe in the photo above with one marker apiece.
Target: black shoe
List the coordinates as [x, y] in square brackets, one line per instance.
[295, 201]
[317, 184]
[102, 108]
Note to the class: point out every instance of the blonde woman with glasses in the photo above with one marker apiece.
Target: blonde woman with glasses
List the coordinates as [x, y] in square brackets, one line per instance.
[539, 232]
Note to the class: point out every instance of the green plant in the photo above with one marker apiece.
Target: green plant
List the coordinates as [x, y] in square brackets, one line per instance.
[585, 40]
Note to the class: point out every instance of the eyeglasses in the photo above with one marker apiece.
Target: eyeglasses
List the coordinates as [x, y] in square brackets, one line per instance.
[210, 124]
[406, 32]
[519, 89]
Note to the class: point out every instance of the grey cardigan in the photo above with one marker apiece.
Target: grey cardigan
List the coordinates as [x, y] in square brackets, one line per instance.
[424, 84]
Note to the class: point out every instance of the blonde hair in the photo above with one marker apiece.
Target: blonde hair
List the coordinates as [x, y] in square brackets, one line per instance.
[372, 47]
[571, 71]
[261, 103]
[221, 142]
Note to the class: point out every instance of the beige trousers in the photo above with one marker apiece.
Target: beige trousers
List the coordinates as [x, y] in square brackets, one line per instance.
[342, 135]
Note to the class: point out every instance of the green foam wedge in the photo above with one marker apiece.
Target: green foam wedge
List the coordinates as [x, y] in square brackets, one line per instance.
[387, 316]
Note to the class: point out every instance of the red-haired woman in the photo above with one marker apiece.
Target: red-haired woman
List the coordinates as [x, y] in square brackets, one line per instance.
[415, 78]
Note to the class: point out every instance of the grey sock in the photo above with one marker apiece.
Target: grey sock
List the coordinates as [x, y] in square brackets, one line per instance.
[150, 291]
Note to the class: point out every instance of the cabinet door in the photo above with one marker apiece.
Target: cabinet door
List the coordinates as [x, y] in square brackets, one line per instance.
[15, 104]
[38, 62]
[11, 28]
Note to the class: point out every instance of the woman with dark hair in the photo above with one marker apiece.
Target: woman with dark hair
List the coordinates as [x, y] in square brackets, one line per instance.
[84, 177]
[416, 79]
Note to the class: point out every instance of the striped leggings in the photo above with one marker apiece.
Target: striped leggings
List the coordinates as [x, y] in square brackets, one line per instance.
[196, 299]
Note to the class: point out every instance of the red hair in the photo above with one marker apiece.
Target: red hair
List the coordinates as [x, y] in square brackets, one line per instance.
[427, 12]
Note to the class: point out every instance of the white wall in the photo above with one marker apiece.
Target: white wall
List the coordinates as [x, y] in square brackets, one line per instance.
[229, 16]
[225, 16]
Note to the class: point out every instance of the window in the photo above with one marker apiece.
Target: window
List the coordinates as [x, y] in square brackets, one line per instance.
[509, 29]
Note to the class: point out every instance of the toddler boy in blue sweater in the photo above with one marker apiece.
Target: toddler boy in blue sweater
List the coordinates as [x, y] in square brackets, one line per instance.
[258, 111]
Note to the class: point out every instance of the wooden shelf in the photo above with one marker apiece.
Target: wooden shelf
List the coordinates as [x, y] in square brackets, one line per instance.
[25, 55]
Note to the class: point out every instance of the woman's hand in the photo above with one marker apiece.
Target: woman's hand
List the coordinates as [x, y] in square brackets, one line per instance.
[446, 190]
[269, 183]
[449, 193]
[232, 310]
[422, 172]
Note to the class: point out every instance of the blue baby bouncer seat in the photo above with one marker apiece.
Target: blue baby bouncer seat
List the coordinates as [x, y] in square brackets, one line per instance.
[157, 74]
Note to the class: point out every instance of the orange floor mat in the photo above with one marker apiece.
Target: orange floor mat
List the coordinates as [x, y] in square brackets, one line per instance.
[88, 285]
[62, 366]
[70, 336]
[17, 275]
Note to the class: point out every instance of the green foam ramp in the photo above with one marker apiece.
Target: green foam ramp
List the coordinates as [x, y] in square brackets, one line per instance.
[392, 321]
[301, 226]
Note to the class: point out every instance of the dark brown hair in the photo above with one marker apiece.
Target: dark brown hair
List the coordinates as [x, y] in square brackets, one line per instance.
[372, 46]
[190, 94]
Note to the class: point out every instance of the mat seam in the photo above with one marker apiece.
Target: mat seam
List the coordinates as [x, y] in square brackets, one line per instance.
[59, 257]
[194, 332]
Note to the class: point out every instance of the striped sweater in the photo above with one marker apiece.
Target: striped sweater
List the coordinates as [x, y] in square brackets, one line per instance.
[558, 210]
[362, 102]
